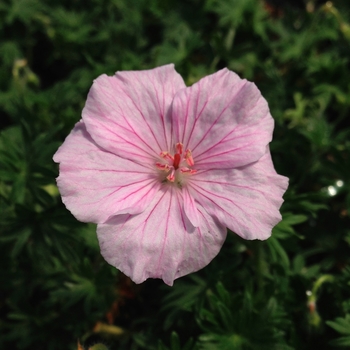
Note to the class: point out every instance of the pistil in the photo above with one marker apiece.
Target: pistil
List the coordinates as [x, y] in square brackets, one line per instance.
[177, 160]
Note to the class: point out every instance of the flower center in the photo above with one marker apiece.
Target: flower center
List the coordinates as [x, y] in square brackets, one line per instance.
[176, 165]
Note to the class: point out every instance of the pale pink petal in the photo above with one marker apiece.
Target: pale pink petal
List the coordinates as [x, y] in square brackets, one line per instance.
[190, 207]
[160, 242]
[246, 199]
[96, 184]
[127, 114]
[223, 120]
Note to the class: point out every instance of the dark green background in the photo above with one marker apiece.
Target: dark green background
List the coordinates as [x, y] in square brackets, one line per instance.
[289, 292]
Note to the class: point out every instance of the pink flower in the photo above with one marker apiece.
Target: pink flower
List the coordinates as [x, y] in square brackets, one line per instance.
[163, 169]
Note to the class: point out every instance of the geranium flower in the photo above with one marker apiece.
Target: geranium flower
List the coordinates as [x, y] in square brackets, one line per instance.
[164, 169]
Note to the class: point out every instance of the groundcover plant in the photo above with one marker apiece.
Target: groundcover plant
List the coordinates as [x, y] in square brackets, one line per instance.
[276, 282]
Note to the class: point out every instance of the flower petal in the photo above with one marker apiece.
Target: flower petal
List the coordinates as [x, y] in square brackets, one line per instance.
[246, 199]
[127, 114]
[190, 207]
[96, 184]
[160, 242]
[223, 120]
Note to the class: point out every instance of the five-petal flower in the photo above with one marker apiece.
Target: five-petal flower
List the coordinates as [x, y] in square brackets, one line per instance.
[163, 169]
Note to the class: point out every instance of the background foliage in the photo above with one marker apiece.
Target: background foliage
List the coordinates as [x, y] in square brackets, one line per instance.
[289, 292]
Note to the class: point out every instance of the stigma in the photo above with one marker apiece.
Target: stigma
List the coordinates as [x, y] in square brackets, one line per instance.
[177, 166]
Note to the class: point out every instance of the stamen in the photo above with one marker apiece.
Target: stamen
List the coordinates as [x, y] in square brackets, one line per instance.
[161, 166]
[185, 170]
[179, 147]
[166, 155]
[188, 157]
[171, 176]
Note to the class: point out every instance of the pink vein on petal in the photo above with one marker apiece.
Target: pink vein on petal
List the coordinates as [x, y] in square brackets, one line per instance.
[122, 127]
[125, 140]
[165, 234]
[131, 193]
[161, 110]
[221, 208]
[222, 153]
[197, 118]
[216, 120]
[127, 122]
[145, 120]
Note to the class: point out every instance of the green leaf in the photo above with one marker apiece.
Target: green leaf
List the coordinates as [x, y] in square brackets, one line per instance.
[22, 238]
[341, 325]
[278, 251]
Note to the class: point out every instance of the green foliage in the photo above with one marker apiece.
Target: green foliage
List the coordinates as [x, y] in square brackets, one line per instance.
[289, 292]
[176, 345]
[233, 322]
[342, 326]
